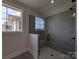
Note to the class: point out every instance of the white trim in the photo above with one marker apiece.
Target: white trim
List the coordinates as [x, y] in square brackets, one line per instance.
[17, 9]
[9, 56]
[12, 7]
[35, 54]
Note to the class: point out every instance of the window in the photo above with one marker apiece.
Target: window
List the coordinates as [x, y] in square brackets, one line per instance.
[39, 23]
[11, 19]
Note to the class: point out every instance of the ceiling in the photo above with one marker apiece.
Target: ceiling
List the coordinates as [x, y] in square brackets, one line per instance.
[45, 8]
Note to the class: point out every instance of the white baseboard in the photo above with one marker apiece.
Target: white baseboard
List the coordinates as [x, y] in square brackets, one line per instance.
[9, 56]
[35, 54]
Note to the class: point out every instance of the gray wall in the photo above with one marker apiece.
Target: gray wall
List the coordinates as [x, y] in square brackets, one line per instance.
[61, 28]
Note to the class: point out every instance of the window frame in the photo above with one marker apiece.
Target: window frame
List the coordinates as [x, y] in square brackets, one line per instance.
[44, 24]
[17, 9]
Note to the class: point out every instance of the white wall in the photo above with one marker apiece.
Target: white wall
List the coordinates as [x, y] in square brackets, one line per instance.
[34, 42]
[59, 9]
[15, 41]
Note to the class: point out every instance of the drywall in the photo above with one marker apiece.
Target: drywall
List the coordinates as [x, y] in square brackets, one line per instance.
[14, 41]
[34, 41]
[61, 28]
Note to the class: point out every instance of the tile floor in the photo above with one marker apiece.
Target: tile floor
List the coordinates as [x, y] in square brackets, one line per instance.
[48, 53]
[45, 53]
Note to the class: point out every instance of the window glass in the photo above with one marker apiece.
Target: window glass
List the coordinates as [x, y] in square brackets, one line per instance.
[39, 23]
[13, 12]
[11, 19]
[4, 18]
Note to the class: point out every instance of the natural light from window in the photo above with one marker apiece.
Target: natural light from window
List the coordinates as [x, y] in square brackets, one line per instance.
[11, 19]
[39, 23]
